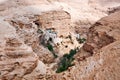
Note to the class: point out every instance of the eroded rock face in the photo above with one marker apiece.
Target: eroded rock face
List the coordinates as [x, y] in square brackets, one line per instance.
[43, 53]
[59, 20]
[105, 63]
[27, 32]
[103, 39]
[16, 60]
[103, 33]
[19, 40]
[114, 9]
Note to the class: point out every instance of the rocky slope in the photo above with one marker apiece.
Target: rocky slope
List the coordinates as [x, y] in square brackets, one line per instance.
[103, 64]
[17, 59]
[27, 26]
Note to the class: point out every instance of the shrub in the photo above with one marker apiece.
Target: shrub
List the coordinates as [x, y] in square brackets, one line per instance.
[81, 40]
[66, 61]
[71, 54]
[50, 48]
[54, 54]
[39, 31]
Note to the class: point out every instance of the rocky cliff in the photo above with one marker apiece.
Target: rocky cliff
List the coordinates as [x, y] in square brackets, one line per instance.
[35, 35]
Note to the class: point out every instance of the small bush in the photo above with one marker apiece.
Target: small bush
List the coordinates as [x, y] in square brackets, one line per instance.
[66, 61]
[81, 40]
[50, 48]
[54, 55]
[39, 31]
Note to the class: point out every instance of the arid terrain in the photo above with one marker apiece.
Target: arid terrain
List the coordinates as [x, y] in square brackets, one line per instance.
[59, 39]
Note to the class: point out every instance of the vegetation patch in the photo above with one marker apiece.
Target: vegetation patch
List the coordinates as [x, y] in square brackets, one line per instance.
[66, 61]
[81, 40]
[39, 31]
[47, 42]
[50, 48]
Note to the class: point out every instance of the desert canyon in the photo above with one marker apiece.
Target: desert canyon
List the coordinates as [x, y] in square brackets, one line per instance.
[59, 39]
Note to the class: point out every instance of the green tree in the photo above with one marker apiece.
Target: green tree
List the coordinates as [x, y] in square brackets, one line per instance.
[66, 61]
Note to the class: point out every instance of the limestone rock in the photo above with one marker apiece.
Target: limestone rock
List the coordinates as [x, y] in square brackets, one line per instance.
[104, 65]
[59, 20]
[17, 60]
[103, 33]
[43, 53]
[23, 58]
[27, 32]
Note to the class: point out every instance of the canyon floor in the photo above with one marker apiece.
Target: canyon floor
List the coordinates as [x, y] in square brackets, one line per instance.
[59, 39]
